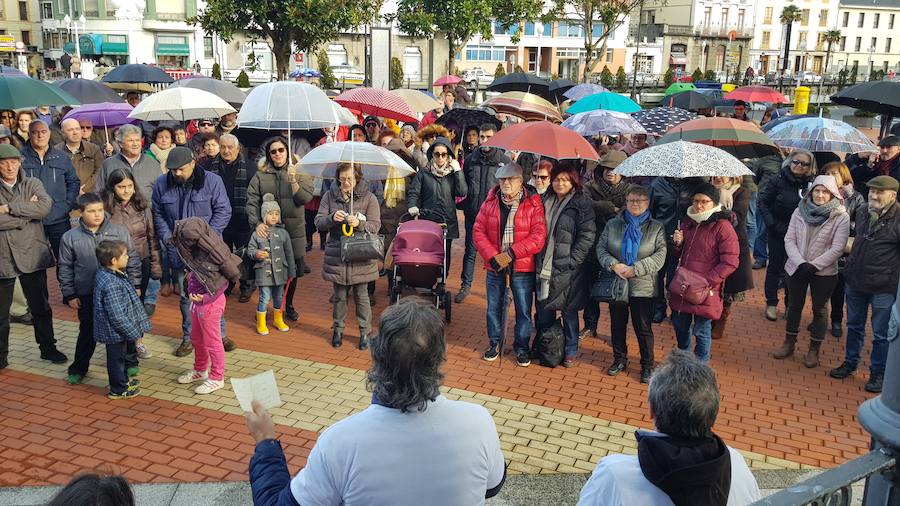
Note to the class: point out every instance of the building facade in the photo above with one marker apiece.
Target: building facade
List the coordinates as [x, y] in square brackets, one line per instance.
[807, 44]
[870, 37]
[20, 34]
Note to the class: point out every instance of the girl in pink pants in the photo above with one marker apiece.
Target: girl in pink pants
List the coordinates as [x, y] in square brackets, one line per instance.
[209, 353]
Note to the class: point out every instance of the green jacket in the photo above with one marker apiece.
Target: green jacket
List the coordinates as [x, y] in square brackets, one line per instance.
[651, 253]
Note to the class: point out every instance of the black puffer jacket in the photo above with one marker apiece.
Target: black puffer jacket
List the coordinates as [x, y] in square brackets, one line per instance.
[478, 169]
[741, 279]
[778, 199]
[574, 235]
[438, 195]
[874, 262]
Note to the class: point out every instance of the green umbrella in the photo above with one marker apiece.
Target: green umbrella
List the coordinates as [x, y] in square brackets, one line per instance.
[679, 87]
[24, 92]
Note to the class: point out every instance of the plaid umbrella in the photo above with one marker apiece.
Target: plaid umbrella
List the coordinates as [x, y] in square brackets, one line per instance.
[527, 106]
[607, 101]
[659, 120]
[580, 91]
[821, 134]
[682, 159]
[377, 103]
[604, 122]
[742, 139]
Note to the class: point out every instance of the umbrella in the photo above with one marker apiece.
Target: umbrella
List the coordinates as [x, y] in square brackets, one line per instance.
[138, 87]
[344, 115]
[447, 80]
[527, 106]
[580, 91]
[742, 139]
[558, 89]
[181, 104]
[821, 134]
[659, 120]
[417, 101]
[287, 105]
[222, 89]
[679, 87]
[544, 138]
[108, 114]
[468, 117]
[88, 92]
[688, 100]
[882, 97]
[376, 162]
[781, 119]
[603, 122]
[305, 72]
[756, 93]
[137, 73]
[520, 81]
[682, 159]
[6, 70]
[607, 100]
[377, 102]
[25, 92]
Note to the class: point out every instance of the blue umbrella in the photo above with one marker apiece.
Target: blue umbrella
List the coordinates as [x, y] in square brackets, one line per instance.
[11, 71]
[305, 72]
[580, 91]
[88, 91]
[607, 101]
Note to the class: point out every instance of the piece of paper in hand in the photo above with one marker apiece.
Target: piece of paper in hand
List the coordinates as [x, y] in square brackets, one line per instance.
[260, 387]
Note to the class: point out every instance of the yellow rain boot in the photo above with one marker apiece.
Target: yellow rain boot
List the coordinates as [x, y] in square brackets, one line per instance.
[261, 328]
[278, 321]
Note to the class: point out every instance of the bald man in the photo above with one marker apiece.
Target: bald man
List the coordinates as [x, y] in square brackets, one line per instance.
[85, 155]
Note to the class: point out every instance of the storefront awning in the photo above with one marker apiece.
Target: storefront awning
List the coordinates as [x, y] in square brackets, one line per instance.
[173, 50]
[90, 44]
[69, 48]
[115, 47]
[678, 59]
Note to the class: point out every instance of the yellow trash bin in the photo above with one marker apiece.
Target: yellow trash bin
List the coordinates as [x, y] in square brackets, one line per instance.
[728, 87]
[801, 99]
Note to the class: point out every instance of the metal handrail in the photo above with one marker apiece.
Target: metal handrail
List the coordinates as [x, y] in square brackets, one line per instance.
[834, 487]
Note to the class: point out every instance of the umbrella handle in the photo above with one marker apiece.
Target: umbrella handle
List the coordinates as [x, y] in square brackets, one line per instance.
[347, 230]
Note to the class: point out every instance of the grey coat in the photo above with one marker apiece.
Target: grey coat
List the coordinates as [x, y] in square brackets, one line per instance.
[276, 181]
[23, 247]
[78, 258]
[650, 259]
[333, 269]
[280, 266]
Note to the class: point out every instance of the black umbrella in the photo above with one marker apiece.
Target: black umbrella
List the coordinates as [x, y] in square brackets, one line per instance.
[137, 73]
[222, 89]
[520, 81]
[689, 100]
[89, 92]
[468, 117]
[558, 88]
[882, 97]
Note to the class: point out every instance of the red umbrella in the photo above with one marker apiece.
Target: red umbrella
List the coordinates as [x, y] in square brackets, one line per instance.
[544, 138]
[447, 80]
[756, 93]
[377, 103]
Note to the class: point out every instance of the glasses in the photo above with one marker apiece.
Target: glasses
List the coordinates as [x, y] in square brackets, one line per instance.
[206, 124]
[542, 178]
[87, 128]
[345, 179]
[275, 151]
[798, 162]
[702, 202]
[441, 155]
[637, 201]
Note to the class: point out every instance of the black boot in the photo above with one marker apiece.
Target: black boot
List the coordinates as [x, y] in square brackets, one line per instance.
[289, 310]
[336, 339]
[364, 342]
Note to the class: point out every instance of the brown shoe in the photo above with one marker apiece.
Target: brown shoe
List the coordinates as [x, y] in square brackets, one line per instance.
[812, 356]
[228, 344]
[184, 349]
[165, 290]
[787, 349]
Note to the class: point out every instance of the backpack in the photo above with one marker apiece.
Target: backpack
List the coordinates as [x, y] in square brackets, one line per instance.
[550, 343]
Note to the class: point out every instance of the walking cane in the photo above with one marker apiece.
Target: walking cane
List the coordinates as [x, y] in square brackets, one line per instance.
[504, 309]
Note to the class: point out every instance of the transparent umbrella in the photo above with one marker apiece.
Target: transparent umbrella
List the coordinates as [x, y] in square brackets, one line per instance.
[181, 104]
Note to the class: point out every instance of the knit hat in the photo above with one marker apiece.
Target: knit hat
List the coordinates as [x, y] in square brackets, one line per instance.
[709, 190]
[269, 205]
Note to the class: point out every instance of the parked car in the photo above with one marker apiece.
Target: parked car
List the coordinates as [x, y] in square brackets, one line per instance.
[643, 79]
[477, 77]
[811, 77]
[348, 75]
[256, 75]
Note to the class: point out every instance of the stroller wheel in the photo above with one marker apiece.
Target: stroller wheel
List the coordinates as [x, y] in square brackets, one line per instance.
[395, 294]
[448, 306]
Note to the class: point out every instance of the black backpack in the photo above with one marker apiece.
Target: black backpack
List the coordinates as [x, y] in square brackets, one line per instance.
[550, 344]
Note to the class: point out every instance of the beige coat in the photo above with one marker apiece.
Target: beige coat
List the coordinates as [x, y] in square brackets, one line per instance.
[23, 247]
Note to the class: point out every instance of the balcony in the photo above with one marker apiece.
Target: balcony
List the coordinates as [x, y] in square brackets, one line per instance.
[723, 31]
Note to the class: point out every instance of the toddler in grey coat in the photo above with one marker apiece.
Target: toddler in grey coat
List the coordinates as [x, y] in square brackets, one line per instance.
[274, 267]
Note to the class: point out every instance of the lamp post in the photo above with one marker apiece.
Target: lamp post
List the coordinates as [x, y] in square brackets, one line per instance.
[72, 26]
[128, 11]
[539, 31]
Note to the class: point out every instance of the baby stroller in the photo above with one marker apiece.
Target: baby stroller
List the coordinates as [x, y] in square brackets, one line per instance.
[419, 263]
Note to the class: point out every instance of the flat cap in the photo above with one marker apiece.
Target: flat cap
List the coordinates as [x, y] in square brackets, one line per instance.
[612, 159]
[179, 157]
[509, 170]
[883, 183]
[890, 140]
[9, 151]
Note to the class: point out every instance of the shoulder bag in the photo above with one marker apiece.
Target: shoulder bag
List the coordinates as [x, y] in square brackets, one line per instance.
[689, 285]
[362, 247]
[610, 287]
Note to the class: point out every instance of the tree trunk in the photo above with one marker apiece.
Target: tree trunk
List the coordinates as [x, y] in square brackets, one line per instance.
[281, 49]
[787, 52]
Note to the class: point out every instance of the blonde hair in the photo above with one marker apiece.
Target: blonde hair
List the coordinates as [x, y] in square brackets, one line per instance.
[842, 168]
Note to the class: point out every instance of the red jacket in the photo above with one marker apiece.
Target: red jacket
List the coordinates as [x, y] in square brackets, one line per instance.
[710, 249]
[529, 235]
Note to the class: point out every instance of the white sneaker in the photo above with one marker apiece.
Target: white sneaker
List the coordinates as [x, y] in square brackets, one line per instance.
[143, 351]
[192, 377]
[209, 386]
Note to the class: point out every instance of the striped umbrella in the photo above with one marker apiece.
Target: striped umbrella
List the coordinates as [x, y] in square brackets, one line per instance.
[377, 102]
[821, 134]
[756, 93]
[603, 122]
[607, 100]
[743, 139]
[659, 120]
[527, 106]
[543, 138]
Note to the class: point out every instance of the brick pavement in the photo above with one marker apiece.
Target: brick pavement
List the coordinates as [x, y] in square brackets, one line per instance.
[778, 413]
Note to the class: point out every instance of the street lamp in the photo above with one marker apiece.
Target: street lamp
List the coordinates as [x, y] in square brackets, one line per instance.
[128, 11]
[539, 31]
[72, 26]
[871, 53]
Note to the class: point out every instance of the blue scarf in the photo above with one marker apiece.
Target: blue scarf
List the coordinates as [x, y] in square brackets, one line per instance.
[632, 240]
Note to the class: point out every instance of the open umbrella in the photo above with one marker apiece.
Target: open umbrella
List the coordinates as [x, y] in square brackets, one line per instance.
[679, 87]
[468, 117]
[527, 106]
[603, 122]
[520, 81]
[88, 91]
[417, 100]
[544, 138]
[659, 120]
[742, 139]
[688, 100]
[377, 102]
[682, 159]
[305, 72]
[558, 88]
[580, 91]
[607, 101]
[821, 134]
[137, 73]
[287, 105]
[181, 104]
[376, 163]
[782, 119]
[756, 93]
[881, 97]
[222, 89]
[107, 114]
[6, 70]
[25, 92]
[446, 80]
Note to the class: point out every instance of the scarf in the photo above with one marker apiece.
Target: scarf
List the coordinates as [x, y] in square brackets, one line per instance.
[701, 217]
[161, 154]
[553, 208]
[441, 171]
[633, 235]
[726, 195]
[509, 228]
[608, 192]
[883, 167]
[847, 191]
[814, 214]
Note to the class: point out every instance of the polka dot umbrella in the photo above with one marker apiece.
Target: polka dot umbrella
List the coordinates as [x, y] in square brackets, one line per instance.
[659, 120]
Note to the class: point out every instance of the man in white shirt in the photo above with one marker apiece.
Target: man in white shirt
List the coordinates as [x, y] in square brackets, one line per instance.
[684, 464]
[412, 446]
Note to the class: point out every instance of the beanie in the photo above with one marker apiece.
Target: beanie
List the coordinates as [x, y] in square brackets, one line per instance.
[269, 205]
[709, 190]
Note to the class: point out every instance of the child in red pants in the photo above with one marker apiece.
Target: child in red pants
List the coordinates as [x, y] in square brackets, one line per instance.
[206, 334]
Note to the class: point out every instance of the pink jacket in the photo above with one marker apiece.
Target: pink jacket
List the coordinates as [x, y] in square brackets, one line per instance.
[826, 247]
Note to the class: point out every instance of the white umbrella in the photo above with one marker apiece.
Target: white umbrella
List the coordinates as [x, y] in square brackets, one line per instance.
[181, 104]
[344, 115]
[287, 105]
[681, 159]
[417, 100]
[377, 163]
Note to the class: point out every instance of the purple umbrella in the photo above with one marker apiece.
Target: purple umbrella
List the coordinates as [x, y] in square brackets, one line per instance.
[107, 114]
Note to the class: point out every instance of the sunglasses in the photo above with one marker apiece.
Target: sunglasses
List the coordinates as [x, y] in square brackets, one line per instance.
[275, 151]
[206, 124]
[542, 178]
[87, 128]
[440, 155]
[798, 162]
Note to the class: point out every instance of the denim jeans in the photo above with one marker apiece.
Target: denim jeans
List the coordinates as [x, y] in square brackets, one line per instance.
[761, 244]
[857, 311]
[702, 331]
[751, 219]
[267, 293]
[151, 296]
[546, 317]
[185, 306]
[468, 266]
[522, 286]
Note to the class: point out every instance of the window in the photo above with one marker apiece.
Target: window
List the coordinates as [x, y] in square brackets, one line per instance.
[858, 45]
[767, 19]
[876, 20]
[26, 37]
[485, 53]
[678, 48]
[724, 22]
[46, 10]
[887, 45]
[891, 22]
[170, 9]
[843, 43]
[207, 47]
[529, 28]
[874, 44]
[765, 39]
[823, 17]
[609, 55]
[569, 28]
[505, 30]
[598, 28]
[804, 17]
[337, 54]
[707, 14]
[412, 63]
[846, 22]
[801, 41]
[862, 20]
[23, 11]
[740, 18]
[92, 8]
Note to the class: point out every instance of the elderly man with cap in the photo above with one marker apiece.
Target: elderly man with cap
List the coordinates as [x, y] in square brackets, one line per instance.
[85, 155]
[886, 163]
[188, 191]
[509, 231]
[871, 275]
[24, 253]
[372, 126]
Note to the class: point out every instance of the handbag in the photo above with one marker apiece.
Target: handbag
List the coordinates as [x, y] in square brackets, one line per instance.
[610, 287]
[362, 247]
[692, 287]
